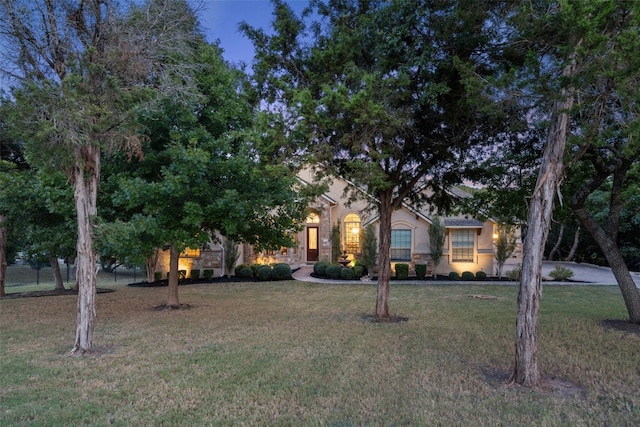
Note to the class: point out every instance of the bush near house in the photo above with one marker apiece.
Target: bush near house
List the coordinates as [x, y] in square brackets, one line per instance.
[245, 272]
[281, 271]
[358, 271]
[265, 272]
[208, 274]
[481, 275]
[333, 271]
[320, 268]
[467, 275]
[454, 275]
[157, 275]
[402, 271]
[421, 271]
[195, 273]
[347, 273]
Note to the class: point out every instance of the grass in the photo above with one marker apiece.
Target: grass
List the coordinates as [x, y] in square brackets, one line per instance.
[292, 353]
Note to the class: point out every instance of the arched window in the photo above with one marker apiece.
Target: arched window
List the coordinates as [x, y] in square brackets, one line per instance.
[313, 218]
[352, 233]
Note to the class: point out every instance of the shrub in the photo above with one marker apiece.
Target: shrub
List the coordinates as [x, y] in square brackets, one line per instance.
[402, 271]
[561, 273]
[467, 275]
[195, 273]
[240, 267]
[347, 273]
[333, 271]
[208, 274]
[358, 271]
[157, 275]
[481, 275]
[454, 275]
[320, 268]
[254, 269]
[421, 271]
[265, 272]
[281, 271]
[245, 272]
[515, 273]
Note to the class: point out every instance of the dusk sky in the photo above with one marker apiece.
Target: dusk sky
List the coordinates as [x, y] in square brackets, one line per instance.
[220, 19]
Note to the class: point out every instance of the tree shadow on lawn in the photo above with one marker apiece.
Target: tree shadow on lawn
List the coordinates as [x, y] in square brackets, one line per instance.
[50, 293]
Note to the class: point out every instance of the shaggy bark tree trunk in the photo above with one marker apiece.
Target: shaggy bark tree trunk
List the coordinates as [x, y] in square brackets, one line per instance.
[151, 263]
[614, 257]
[86, 176]
[57, 275]
[174, 256]
[526, 371]
[558, 242]
[574, 247]
[3, 253]
[384, 257]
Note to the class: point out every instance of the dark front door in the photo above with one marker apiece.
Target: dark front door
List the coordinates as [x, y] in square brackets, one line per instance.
[312, 244]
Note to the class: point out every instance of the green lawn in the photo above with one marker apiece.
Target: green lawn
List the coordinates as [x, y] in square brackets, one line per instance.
[292, 353]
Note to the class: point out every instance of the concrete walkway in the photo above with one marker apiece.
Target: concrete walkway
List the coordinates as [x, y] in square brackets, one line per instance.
[587, 274]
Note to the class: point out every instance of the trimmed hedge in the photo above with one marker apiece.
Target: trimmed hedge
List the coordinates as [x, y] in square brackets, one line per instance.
[265, 272]
[195, 273]
[333, 271]
[358, 271]
[467, 275]
[281, 271]
[245, 272]
[481, 275]
[454, 275]
[320, 268]
[421, 271]
[208, 274]
[402, 271]
[157, 275]
[347, 273]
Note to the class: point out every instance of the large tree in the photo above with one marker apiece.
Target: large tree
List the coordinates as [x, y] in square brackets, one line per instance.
[81, 68]
[389, 95]
[204, 174]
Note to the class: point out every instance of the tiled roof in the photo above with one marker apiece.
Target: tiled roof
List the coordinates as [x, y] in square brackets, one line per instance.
[462, 223]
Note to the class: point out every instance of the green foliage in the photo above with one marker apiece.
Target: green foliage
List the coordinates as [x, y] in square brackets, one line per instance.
[320, 267]
[467, 275]
[515, 273]
[453, 275]
[231, 254]
[333, 271]
[561, 273]
[437, 234]
[347, 273]
[481, 275]
[358, 270]
[281, 271]
[336, 245]
[265, 272]
[421, 270]
[240, 267]
[157, 275]
[402, 271]
[369, 248]
[505, 244]
[245, 272]
[208, 274]
[195, 273]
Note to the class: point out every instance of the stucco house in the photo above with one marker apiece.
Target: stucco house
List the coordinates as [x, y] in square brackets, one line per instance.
[469, 243]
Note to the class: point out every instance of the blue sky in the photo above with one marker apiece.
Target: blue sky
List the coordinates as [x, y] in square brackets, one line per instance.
[220, 19]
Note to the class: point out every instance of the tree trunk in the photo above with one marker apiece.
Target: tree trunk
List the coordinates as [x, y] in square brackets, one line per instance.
[574, 247]
[526, 370]
[174, 256]
[384, 257]
[612, 253]
[151, 263]
[86, 174]
[3, 253]
[558, 242]
[55, 270]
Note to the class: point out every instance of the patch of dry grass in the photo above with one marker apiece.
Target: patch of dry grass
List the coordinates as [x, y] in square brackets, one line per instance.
[292, 353]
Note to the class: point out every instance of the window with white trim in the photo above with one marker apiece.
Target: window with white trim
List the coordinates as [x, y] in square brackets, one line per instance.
[400, 245]
[462, 244]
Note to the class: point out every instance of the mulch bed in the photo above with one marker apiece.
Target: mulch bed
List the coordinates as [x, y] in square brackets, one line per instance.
[49, 293]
